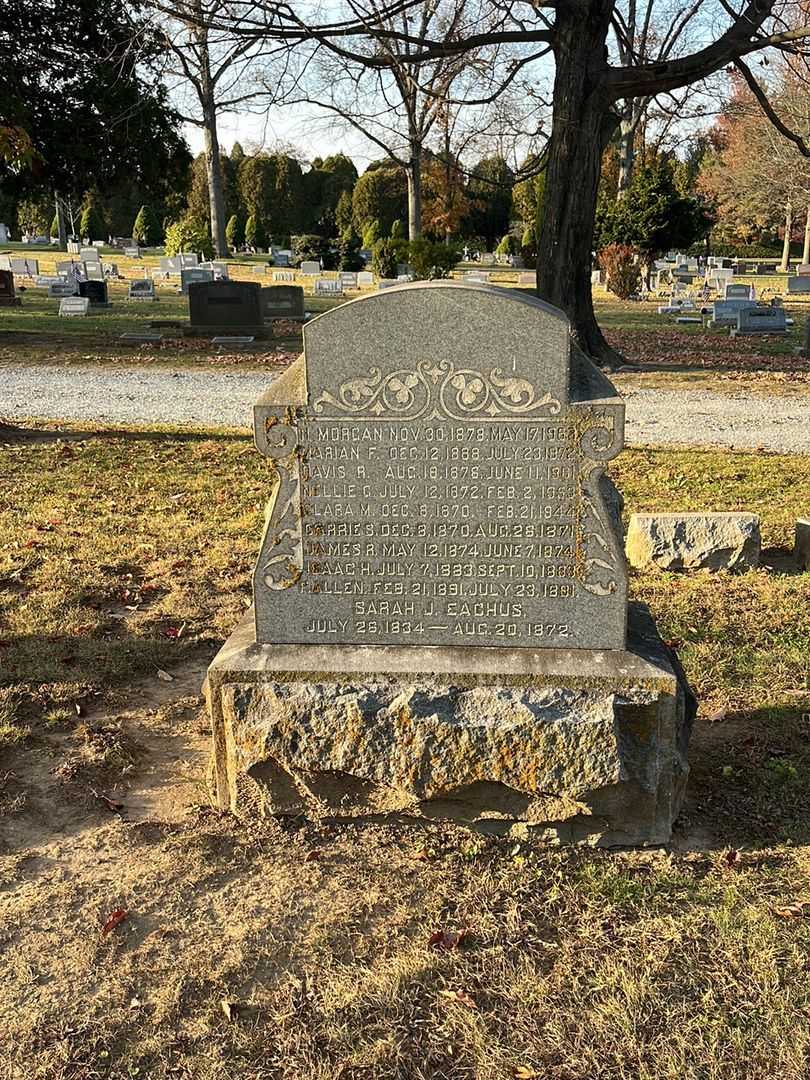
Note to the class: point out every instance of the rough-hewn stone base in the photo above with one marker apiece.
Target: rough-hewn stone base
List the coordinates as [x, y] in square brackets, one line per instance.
[575, 745]
[694, 541]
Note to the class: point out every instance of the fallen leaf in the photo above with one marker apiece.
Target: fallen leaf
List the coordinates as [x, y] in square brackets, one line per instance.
[796, 910]
[115, 919]
[460, 996]
[111, 804]
[447, 939]
[732, 857]
[230, 1009]
[524, 1072]
[312, 856]
[164, 676]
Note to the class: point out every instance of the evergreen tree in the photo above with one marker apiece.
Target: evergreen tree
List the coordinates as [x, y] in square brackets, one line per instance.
[55, 226]
[491, 182]
[350, 258]
[343, 212]
[397, 230]
[255, 233]
[234, 232]
[652, 216]
[186, 235]
[146, 229]
[381, 193]
[91, 223]
[371, 234]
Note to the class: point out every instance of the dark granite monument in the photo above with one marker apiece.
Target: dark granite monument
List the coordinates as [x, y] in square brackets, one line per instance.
[95, 291]
[440, 623]
[8, 297]
[222, 306]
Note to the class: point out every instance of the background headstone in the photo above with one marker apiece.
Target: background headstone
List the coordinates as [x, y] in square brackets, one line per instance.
[8, 297]
[282, 302]
[94, 291]
[191, 274]
[142, 289]
[74, 305]
[760, 320]
[225, 304]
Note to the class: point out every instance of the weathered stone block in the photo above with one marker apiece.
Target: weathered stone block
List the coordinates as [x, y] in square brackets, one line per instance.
[578, 746]
[801, 546]
[719, 541]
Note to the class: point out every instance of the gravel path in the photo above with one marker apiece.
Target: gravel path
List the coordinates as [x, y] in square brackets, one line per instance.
[197, 398]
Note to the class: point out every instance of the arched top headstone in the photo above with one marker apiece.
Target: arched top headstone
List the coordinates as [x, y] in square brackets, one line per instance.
[473, 328]
[439, 452]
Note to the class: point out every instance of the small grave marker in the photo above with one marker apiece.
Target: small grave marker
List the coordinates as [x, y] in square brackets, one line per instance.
[74, 305]
[141, 289]
[328, 287]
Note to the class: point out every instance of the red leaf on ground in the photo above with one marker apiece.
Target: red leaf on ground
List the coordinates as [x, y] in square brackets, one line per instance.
[460, 996]
[447, 939]
[732, 857]
[115, 919]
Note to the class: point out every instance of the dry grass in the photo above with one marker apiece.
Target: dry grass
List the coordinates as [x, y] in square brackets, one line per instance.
[124, 556]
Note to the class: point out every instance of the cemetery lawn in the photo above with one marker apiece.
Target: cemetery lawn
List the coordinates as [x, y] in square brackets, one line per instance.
[145, 935]
[666, 355]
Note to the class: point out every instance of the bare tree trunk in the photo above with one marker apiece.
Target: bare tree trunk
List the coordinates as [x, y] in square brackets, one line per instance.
[627, 151]
[582, 127]
[414, 174]
[806, 249]
[785, 264]
[216, 198]
[213, 165]
[61, 225]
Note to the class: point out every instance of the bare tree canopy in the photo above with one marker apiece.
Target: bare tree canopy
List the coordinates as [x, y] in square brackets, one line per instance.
[606, 53]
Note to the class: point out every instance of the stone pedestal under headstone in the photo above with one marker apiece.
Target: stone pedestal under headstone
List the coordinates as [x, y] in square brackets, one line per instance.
[440, 618]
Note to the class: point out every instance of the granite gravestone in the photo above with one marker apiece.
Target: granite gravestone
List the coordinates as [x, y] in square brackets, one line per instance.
[283, 302]
[8, 297]
[191, 274]
[440, 624]
[64, 286]
[142, 289]
[760, 320]
[74, 305]
[225, 305]
[95, 291]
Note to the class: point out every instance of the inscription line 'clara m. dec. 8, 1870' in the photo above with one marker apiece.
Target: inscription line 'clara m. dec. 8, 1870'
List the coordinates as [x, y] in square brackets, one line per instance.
[440, 502]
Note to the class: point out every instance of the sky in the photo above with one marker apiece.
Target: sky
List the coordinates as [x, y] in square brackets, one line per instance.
[312, 133]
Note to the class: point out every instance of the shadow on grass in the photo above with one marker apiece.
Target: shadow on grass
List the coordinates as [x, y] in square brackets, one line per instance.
[14, 434]
[750, 779]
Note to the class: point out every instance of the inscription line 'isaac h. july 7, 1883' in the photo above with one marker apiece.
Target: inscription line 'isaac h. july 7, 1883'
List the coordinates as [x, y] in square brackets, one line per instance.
[440, 488]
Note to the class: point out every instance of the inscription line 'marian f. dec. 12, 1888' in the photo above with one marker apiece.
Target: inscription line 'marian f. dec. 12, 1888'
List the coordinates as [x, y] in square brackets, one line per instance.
[439, 491]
